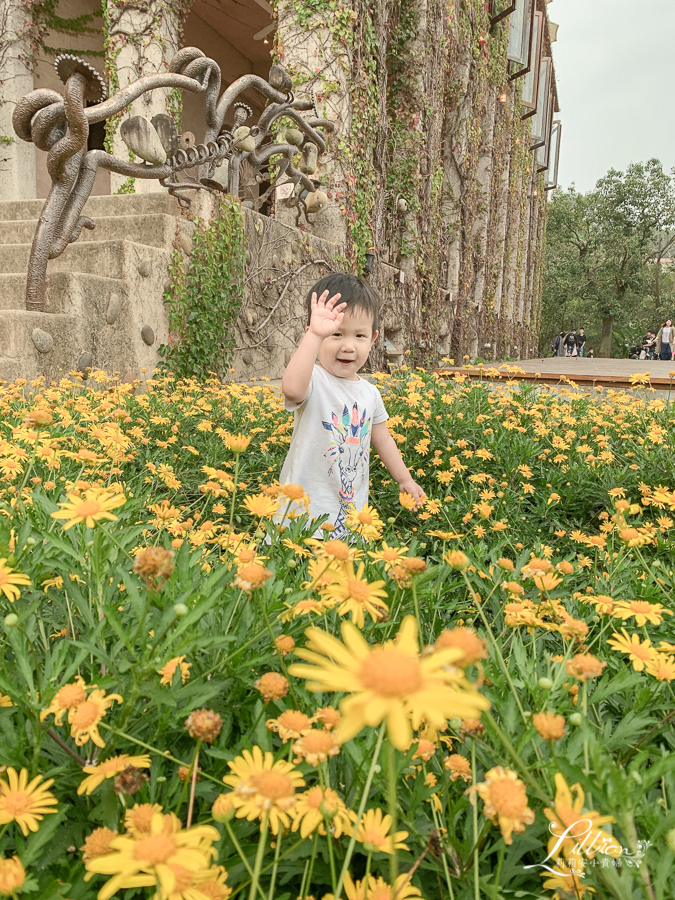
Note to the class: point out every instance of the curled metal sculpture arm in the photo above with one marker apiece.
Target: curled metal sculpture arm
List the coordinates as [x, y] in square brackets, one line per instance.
[71, 216]
[123, 98]
[238, 87]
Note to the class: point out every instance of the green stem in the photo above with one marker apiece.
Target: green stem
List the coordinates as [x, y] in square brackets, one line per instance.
[476, 872]
[277, 851]
[306, 884]
[261, 851]
[234, 492]
[359, 815]
[393, 806]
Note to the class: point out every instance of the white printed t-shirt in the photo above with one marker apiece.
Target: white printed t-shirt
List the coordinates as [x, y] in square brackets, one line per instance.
[330, 446]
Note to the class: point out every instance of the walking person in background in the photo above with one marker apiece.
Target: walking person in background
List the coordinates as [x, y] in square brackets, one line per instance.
[664, 339]
[560, 349]
[571, 343]
[581, 340]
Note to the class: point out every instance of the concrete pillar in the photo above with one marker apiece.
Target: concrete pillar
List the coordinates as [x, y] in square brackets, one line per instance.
[316, 61]
[140, 42]
[17, 159]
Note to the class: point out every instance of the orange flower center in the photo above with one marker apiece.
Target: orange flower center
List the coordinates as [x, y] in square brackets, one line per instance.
[139, 819]
[294, 720]
[17, 803]
[318, 742]
[292, 491]
[155, 849]
[88, 508]
[508, 797]
[358, 590]
[640, 606]
[373, 837]
[641, 652]
[365, 518]
[71, 695]
[87, 714]
[338, 549]
[272, 784]
[98, 843]
[390, 673]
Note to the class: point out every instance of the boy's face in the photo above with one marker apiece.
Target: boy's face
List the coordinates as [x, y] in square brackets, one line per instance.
[346, 351]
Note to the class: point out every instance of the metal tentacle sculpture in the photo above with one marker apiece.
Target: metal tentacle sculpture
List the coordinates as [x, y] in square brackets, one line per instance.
[60, 124]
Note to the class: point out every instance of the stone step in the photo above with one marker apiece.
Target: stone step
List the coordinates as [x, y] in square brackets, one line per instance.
[65, 291]
[19, 355]
[118, 259]
[157, 230]
[106, 205]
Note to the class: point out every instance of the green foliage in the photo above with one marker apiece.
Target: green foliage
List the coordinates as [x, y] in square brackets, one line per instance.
[127, 187]
[204, 299]
[599, 249]
[485, 454]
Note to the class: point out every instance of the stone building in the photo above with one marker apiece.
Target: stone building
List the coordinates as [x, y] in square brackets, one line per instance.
[436, 174]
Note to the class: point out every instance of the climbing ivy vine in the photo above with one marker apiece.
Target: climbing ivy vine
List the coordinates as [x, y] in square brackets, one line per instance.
[205, 296]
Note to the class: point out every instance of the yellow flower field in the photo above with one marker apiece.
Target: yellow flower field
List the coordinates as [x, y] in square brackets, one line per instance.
[471, 700]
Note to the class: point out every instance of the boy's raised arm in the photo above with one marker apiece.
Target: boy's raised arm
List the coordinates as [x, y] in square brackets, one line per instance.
[325, 318]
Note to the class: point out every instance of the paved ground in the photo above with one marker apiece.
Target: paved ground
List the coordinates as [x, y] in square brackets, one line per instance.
[600, 367]
[613, 374]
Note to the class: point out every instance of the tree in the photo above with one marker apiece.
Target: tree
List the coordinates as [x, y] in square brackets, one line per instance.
[600, 245]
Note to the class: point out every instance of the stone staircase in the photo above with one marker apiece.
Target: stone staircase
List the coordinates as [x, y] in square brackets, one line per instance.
[104, 307]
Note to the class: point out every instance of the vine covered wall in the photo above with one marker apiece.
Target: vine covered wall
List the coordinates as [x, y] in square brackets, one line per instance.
[438, 180]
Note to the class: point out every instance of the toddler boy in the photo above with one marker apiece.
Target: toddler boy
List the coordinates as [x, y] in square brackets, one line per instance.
[338, 414]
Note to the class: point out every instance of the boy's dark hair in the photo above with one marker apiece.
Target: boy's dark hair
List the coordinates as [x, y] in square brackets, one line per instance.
[354, 291]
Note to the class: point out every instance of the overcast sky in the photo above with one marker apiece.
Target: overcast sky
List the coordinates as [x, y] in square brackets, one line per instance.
[615, 69]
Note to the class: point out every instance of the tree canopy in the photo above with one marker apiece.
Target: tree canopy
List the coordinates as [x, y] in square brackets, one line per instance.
[603, 255]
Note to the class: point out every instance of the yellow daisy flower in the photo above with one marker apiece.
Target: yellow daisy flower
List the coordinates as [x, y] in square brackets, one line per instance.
[89, 507]
[505, 799]
[320, 807]
[69, 697]
[373, 832]
[353, 594]
[85, 718]
[390, 681]
[261, 506]
[167, 671]
[263, 786]
[641, 610]
[639, 652]
[110, 768]
[10, 581]
[23, 802]
[378, 889]
[365, 522]
[569, 814]
[290, 725]
[157, 858]
[390, 556]
[12, 876]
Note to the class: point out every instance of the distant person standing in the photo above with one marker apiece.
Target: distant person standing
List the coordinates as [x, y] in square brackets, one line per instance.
[664, 339]
[560, 349]
[571, 343]
[581, 340]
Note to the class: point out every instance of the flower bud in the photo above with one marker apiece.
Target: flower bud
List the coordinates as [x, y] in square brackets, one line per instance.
[11, 620]
[545, 684]
[576, 719]
[180, 609]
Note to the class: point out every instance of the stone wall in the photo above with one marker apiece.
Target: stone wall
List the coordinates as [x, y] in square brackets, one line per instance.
[437, 177]
[429, 172]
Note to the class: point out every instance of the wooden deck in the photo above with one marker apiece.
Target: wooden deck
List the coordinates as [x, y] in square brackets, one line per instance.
[584, 373]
